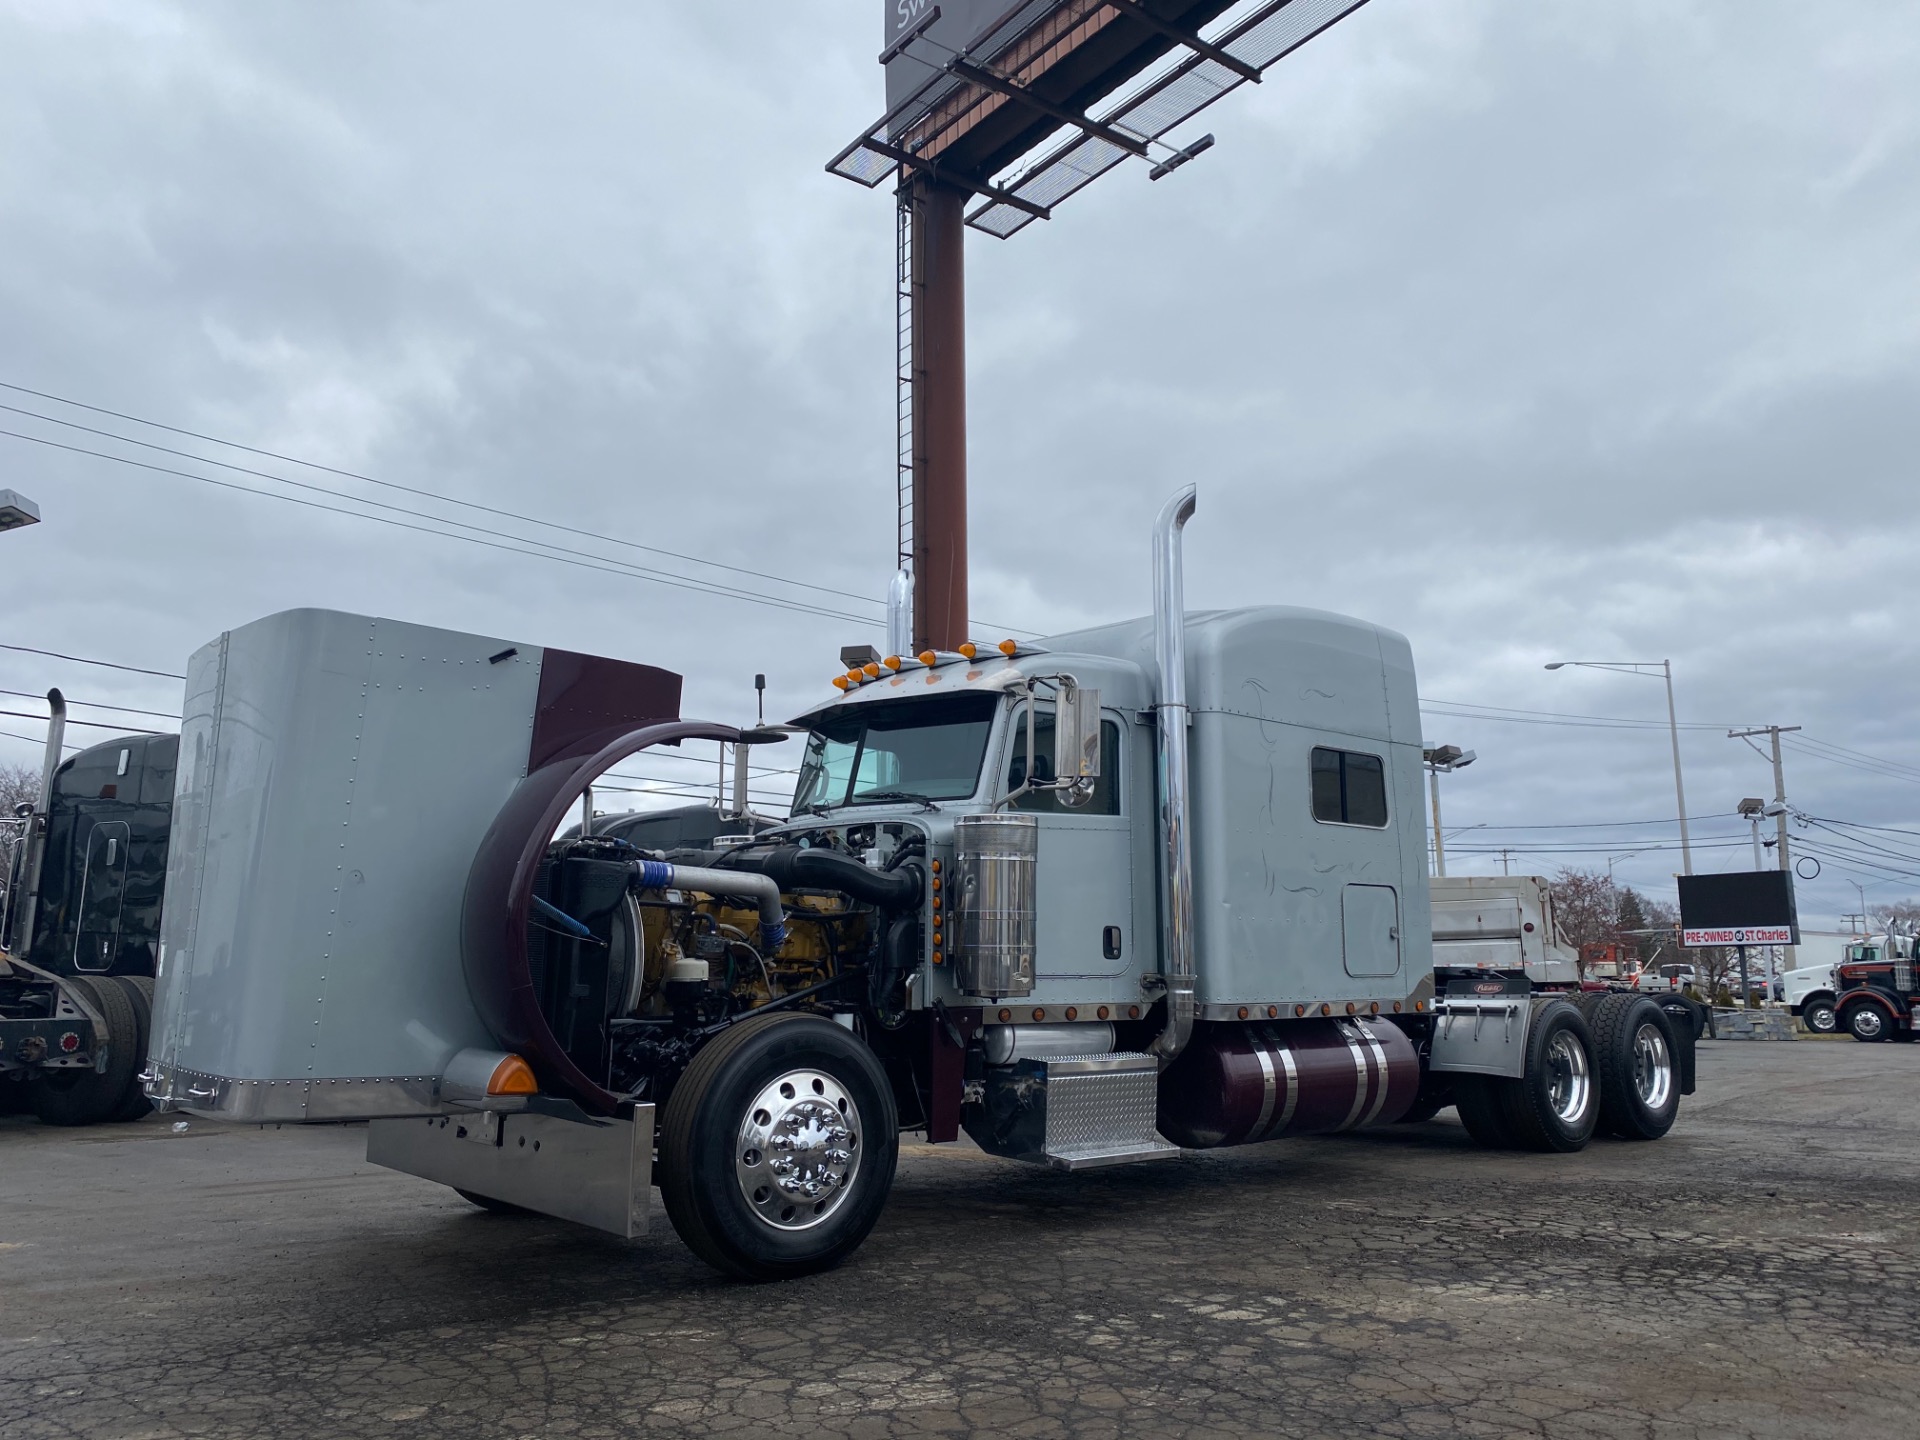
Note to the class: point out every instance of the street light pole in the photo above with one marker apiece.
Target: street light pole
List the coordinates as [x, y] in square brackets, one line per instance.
[1646, 667]
[1437, 758]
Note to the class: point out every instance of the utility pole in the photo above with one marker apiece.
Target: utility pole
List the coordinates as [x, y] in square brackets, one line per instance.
[935, 237]
[1774, 732]
[1505, 855]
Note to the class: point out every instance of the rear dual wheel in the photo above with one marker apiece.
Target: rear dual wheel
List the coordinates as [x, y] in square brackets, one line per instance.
[1554, 1105]
[778, 1147]
[89, 1096]
[1633, 1053]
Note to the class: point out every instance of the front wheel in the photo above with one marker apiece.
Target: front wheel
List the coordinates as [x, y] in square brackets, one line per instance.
[778, 1147]
[1866, 1023]
[1819, 1017]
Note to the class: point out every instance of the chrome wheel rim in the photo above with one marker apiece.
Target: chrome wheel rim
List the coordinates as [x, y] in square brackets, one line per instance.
[1568, 1082]
[1866, 1022]
[797, 1150]
[1820, 1018]
[1652, 1068]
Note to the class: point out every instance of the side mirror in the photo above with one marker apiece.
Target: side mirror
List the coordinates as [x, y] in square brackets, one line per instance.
[1076, 742]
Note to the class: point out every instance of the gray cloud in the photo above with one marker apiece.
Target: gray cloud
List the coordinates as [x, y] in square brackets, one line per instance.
[1534, 332]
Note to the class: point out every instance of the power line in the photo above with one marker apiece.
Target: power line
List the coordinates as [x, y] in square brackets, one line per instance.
[1472, 711]
[424, 494]
[103, 664]
[90, 724]
[559, 554]
[95, 704]
[383, 484]
[42, 740]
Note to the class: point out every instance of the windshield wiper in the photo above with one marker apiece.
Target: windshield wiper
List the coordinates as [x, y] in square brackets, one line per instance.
[922, 801]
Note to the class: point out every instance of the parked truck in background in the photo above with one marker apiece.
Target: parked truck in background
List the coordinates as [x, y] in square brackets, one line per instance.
[1151, 886]
[80, 928]
[1878, 994]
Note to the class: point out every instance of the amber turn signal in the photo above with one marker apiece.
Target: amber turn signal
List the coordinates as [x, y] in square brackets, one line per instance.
[512, 1076]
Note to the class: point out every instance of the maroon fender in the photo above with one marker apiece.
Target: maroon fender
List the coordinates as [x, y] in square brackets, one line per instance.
[493, 932]
[1239, 1084]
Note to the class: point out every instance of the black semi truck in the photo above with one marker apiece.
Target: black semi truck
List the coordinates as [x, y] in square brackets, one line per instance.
[80, 928]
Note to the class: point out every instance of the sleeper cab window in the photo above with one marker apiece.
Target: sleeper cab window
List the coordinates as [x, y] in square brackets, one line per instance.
[1349, 788]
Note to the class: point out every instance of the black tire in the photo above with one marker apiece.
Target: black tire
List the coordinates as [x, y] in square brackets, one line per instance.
[1555, 1104]
[1634, 1056]
[488, 1203]
[730, 1097]
[1820, 1017]
[139, 988]
[87, 1097]
[1477, 1099]
[1867, 1022]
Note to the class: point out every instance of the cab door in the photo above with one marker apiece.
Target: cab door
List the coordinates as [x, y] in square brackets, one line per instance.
[1085, 923]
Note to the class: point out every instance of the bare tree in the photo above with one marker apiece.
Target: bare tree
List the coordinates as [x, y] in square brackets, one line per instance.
[18, 784]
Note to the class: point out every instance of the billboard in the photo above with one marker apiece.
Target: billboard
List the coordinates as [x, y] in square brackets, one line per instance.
[1745, 907]
[957, 25]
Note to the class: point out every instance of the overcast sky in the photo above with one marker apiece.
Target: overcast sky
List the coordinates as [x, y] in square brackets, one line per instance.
[1534, 331]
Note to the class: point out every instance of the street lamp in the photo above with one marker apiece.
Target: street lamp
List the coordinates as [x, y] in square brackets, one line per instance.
[1650, 668]
[1438, 758]
[17, 510]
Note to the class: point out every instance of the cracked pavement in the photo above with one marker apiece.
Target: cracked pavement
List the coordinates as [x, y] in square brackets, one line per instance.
[1757, 1273]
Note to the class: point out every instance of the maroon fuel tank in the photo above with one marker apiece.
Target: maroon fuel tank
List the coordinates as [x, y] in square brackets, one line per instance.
[1239, 1084]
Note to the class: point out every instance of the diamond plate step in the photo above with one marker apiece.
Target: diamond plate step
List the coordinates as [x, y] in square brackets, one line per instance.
[1076, 1112]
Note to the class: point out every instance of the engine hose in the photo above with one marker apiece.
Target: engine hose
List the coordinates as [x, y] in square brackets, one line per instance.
[793, 868]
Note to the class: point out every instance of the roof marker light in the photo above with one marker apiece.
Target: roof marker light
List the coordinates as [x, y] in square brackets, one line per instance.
[892, 662]
[872, 672]
[1007, 647]
[929, 659]
[969, 649]
[840, 683]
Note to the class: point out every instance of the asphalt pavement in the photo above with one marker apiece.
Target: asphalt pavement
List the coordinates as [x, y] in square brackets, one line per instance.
[1757, 1273]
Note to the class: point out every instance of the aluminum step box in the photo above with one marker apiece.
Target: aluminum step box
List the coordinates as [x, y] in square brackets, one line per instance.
[1072, 1112]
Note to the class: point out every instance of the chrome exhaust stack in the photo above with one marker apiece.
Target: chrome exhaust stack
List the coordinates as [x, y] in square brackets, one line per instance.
[1170, 714]
[34, 841]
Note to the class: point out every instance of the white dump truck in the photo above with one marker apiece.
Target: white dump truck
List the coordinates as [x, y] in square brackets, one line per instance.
[1155, 886]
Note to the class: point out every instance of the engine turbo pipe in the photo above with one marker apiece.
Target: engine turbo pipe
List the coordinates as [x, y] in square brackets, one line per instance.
[1170, 719]
[660, 875]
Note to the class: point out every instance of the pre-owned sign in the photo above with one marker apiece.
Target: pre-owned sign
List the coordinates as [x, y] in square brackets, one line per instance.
[1746, 907]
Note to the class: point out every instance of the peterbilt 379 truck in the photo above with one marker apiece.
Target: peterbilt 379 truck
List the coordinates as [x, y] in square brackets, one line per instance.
[1153, 886]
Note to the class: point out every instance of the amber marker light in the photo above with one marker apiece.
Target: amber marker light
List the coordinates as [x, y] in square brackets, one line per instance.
[870, 670]
[1007, 647]
[854, 677]
[1102, 1012]
[512, 1076]
[1005, 1016]
[840, 682]
[1299, 1010]
[1326, 1009]
[892, 662]
[1273, 1012]
[1133, 1012]
[1038, 1013]
[1072, 1013]
[929, 659]
[969, 649]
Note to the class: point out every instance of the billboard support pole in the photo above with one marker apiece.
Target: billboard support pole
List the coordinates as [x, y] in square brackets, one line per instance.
[1746, 990]
[939, 404]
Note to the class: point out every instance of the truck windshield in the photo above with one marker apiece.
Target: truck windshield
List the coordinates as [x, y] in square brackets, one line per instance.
[884, 753]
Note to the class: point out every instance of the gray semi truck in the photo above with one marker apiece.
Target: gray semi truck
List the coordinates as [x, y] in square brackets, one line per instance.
[1155, 886]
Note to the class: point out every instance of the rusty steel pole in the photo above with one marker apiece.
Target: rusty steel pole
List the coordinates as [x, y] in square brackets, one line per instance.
[939, 416]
